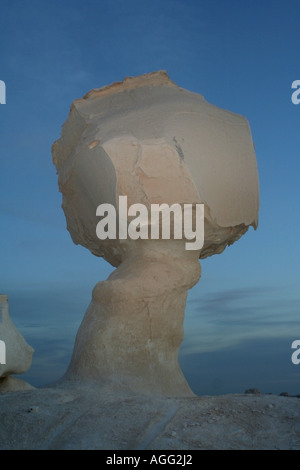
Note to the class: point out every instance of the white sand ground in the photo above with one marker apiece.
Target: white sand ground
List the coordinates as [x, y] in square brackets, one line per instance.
[89, 417]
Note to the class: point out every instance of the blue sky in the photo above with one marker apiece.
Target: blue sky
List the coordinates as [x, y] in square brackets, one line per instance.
[244, 313]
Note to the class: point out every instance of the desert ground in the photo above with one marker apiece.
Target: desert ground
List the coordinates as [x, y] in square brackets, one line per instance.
[89, 417]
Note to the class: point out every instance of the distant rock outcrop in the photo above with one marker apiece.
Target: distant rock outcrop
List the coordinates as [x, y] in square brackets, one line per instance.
[16, 354]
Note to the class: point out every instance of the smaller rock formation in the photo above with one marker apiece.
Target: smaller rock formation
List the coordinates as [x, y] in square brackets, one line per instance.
[15, 353]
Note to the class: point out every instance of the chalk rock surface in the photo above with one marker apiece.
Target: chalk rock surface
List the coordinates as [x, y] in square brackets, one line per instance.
[17, 354]
[155, 142]
[92, 419]
[152, 142]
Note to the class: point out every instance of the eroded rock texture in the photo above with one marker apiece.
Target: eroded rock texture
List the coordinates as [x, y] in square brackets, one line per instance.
[16, 354]
[154, 142]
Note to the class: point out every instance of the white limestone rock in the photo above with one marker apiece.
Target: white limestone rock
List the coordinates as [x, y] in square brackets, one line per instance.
[149, 140]
[12, 384]
[17, 354]
[155, 142]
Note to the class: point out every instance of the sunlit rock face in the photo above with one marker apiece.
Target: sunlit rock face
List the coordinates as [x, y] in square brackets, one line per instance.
[155, 143]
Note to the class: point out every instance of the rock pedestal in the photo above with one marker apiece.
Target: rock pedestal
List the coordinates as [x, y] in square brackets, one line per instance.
[131, 333]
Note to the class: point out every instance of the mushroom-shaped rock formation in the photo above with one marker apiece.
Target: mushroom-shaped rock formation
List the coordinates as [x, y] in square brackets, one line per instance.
[134, 146]
[15, 353]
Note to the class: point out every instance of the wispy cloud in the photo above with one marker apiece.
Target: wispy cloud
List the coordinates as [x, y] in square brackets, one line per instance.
[226, 318]
[263, 363]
